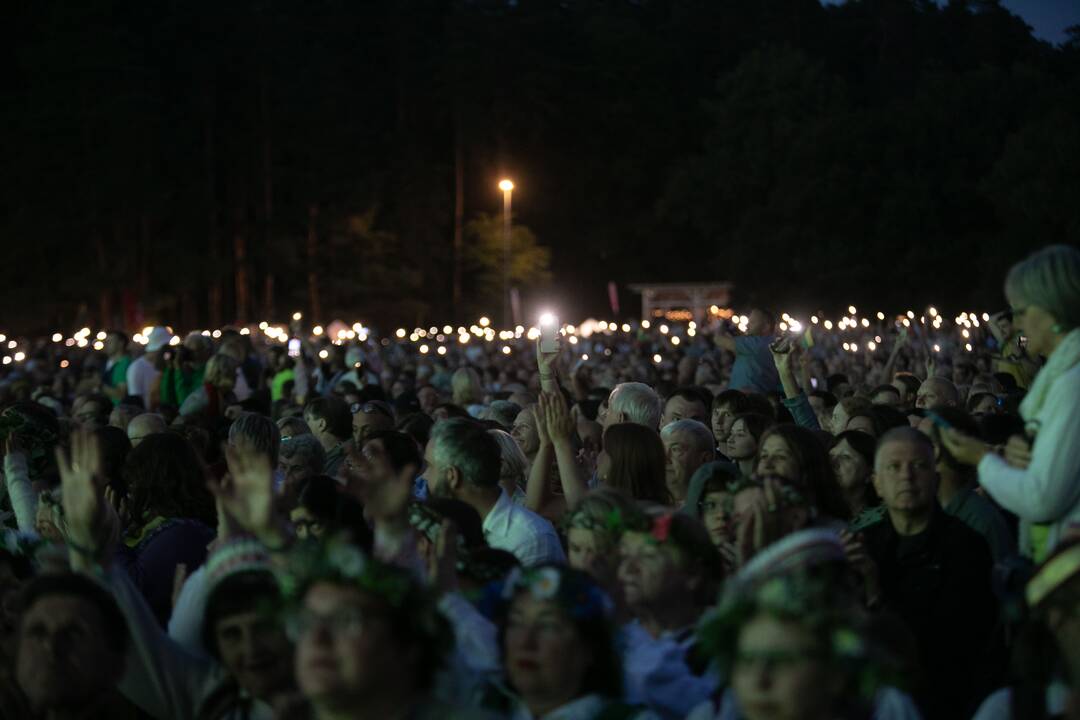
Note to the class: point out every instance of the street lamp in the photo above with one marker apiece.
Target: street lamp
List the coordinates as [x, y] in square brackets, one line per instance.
[507, 186]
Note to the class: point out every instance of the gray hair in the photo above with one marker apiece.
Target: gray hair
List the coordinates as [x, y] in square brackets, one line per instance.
[463, 444]
[1049, 279]
[260, 431]
[701, 435]
[307, 449]
[638, 403]
[907, 435]
[514, 463]
[293, 425]
[503, 412]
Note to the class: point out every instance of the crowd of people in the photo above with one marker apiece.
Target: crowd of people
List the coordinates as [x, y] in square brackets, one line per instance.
[754, 518]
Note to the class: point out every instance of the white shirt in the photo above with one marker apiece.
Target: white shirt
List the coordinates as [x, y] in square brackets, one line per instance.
[999, 705]
[1048, 491]
[655, 672]
[520, 531]
[140, 377]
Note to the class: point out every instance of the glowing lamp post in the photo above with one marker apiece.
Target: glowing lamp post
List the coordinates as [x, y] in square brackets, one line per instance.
[507, 186]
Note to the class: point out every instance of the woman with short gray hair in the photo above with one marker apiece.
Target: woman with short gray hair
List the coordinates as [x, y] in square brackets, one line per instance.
[1038, 478]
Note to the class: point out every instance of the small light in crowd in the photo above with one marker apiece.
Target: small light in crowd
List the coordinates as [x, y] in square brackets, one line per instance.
[796, 326]
[907, 323]
[871, 346]
[447, 329]
[506, 350]
[674, 339]
[413, 337]
[317, 330]
[691, 324]
[828, 324]
[865, 323]
[263, 325]
[986, 317]
[571, 329]
[400, 332]
[98, 345]
[965, 333]
[7, 360]
[20, 356]
[463, 339]
[433, 331]
[216, 334]
[851, 310]
[847, 346]
[546, 318]
[484, 322]
[656, 358]
[663, 329]
[968, 347]
[82, 343]
[602, 325]
[877, 338]
[691, 332]
[57, 337]
[881, 316]
[243, 331]
[626, 327]
[297, 316]
[814, 319]
[71, 341]
[102, 335]
[646, 325]
[64, 363]
[975, 322]
[423, 349]
[506, 185]
[176, 338]
[573, 340]
[86, 331]
[441, 350]
[420, 332]
[937, 348]
[461, 331]
[911, 314]
[324, 353]
[922, 319]
[933, 311]
[440, 338]
[783, 327]
[3, 338]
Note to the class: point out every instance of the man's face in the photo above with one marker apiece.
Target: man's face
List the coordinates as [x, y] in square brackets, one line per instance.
[683, 458]
[429, 398]
[887, 398]
[295, 468]
[255, 651]
[722, 419]
[63, 658]
[88, 416]
[365, 423]
[759, 323]
[345, 650]
[904, 477]
[435, 474]
[113, 345]
[679, 408]
[929, 396]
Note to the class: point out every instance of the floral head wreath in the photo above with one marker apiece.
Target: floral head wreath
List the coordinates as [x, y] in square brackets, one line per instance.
[428, 523]
[574, 591]
[799, 598]
[339, 561]
[38, 439]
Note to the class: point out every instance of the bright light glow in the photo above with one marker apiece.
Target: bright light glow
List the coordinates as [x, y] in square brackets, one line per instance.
[986, 317]
[463, 339]
[297, 316]
[317, 330]
[413, 337]
[441, 350]
[546, 318]
[656, 358]
[783, 327]
[847, 346]
[796, 326]
[937, 348]
[968, 347]
[324, 353]
[911, 314]
[663, 329]
[691, 325]
[57, 337]
[933, 311]
[814, 319]
[71, 341]
[907, 323]
[851, 310]
[263, 325]
[871, 345]
[674, 339]
[484, 322]
[506, 350]
[423, 349]
[626, 327]
[176, 339]
[12, 344]
[585, 357]
[975, 322]
[82, 342]
[865, 323]
[506, 185]
[243, 331]
[64, 363]
[7, 360]
[691, 332]
[965, 333]
[573, 340]
[646, 325]
[98, 345]
[216, 334]
[400, 332]
[828, 324]
[20, 356]
[447, 329]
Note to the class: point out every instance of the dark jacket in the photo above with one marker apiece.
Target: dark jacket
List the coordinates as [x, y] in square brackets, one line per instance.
[939, 584]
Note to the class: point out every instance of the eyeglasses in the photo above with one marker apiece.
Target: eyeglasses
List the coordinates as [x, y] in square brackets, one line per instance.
[346, 622]
[371, 407]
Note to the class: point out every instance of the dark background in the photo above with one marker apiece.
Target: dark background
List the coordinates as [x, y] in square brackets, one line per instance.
[199, 159]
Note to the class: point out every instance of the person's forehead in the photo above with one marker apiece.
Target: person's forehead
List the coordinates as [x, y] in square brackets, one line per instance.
[61, 606]
[903, 450]
[326, 596]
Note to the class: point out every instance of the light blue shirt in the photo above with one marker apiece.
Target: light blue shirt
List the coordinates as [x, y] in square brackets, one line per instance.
[754, 369]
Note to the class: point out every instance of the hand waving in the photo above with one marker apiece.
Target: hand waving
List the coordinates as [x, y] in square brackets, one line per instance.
[249, 496]
[556, 416]
[83, 489]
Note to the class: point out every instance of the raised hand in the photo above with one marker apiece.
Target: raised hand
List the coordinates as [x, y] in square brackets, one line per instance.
[557, 416]
[248, 496]
[1018, 452]
[82, 491]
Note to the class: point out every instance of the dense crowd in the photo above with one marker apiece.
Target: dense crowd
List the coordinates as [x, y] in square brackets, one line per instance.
[752, 516]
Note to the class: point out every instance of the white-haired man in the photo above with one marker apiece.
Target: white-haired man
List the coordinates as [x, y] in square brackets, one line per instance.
[633, 402]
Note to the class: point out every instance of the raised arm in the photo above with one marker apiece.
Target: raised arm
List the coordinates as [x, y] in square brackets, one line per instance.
[537, 492]
[559, 427]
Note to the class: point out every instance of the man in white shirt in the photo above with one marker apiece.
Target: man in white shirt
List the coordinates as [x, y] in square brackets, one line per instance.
[142, 373]
[463, 462]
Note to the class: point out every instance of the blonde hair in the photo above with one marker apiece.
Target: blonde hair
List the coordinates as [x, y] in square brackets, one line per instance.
[465, 384]
[1049, 279]
[514, 463]
[220, 367]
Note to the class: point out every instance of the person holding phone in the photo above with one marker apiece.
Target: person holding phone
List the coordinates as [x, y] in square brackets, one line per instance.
[754, 370]
[1038, 478]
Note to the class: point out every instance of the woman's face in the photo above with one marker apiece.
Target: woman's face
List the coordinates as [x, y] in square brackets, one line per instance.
[775, 458]
[723, 417]
[524, 432]
[1035, 324]
[591, 552]
[649, 572]
[716, 515]
[852, 471]
[545, 658]
[777, 675]
[741, 445]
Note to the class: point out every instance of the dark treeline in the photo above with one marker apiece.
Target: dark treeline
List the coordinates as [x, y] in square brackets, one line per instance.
[217, 160]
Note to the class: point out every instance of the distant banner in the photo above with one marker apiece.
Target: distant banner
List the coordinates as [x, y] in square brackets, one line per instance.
[613, 297]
